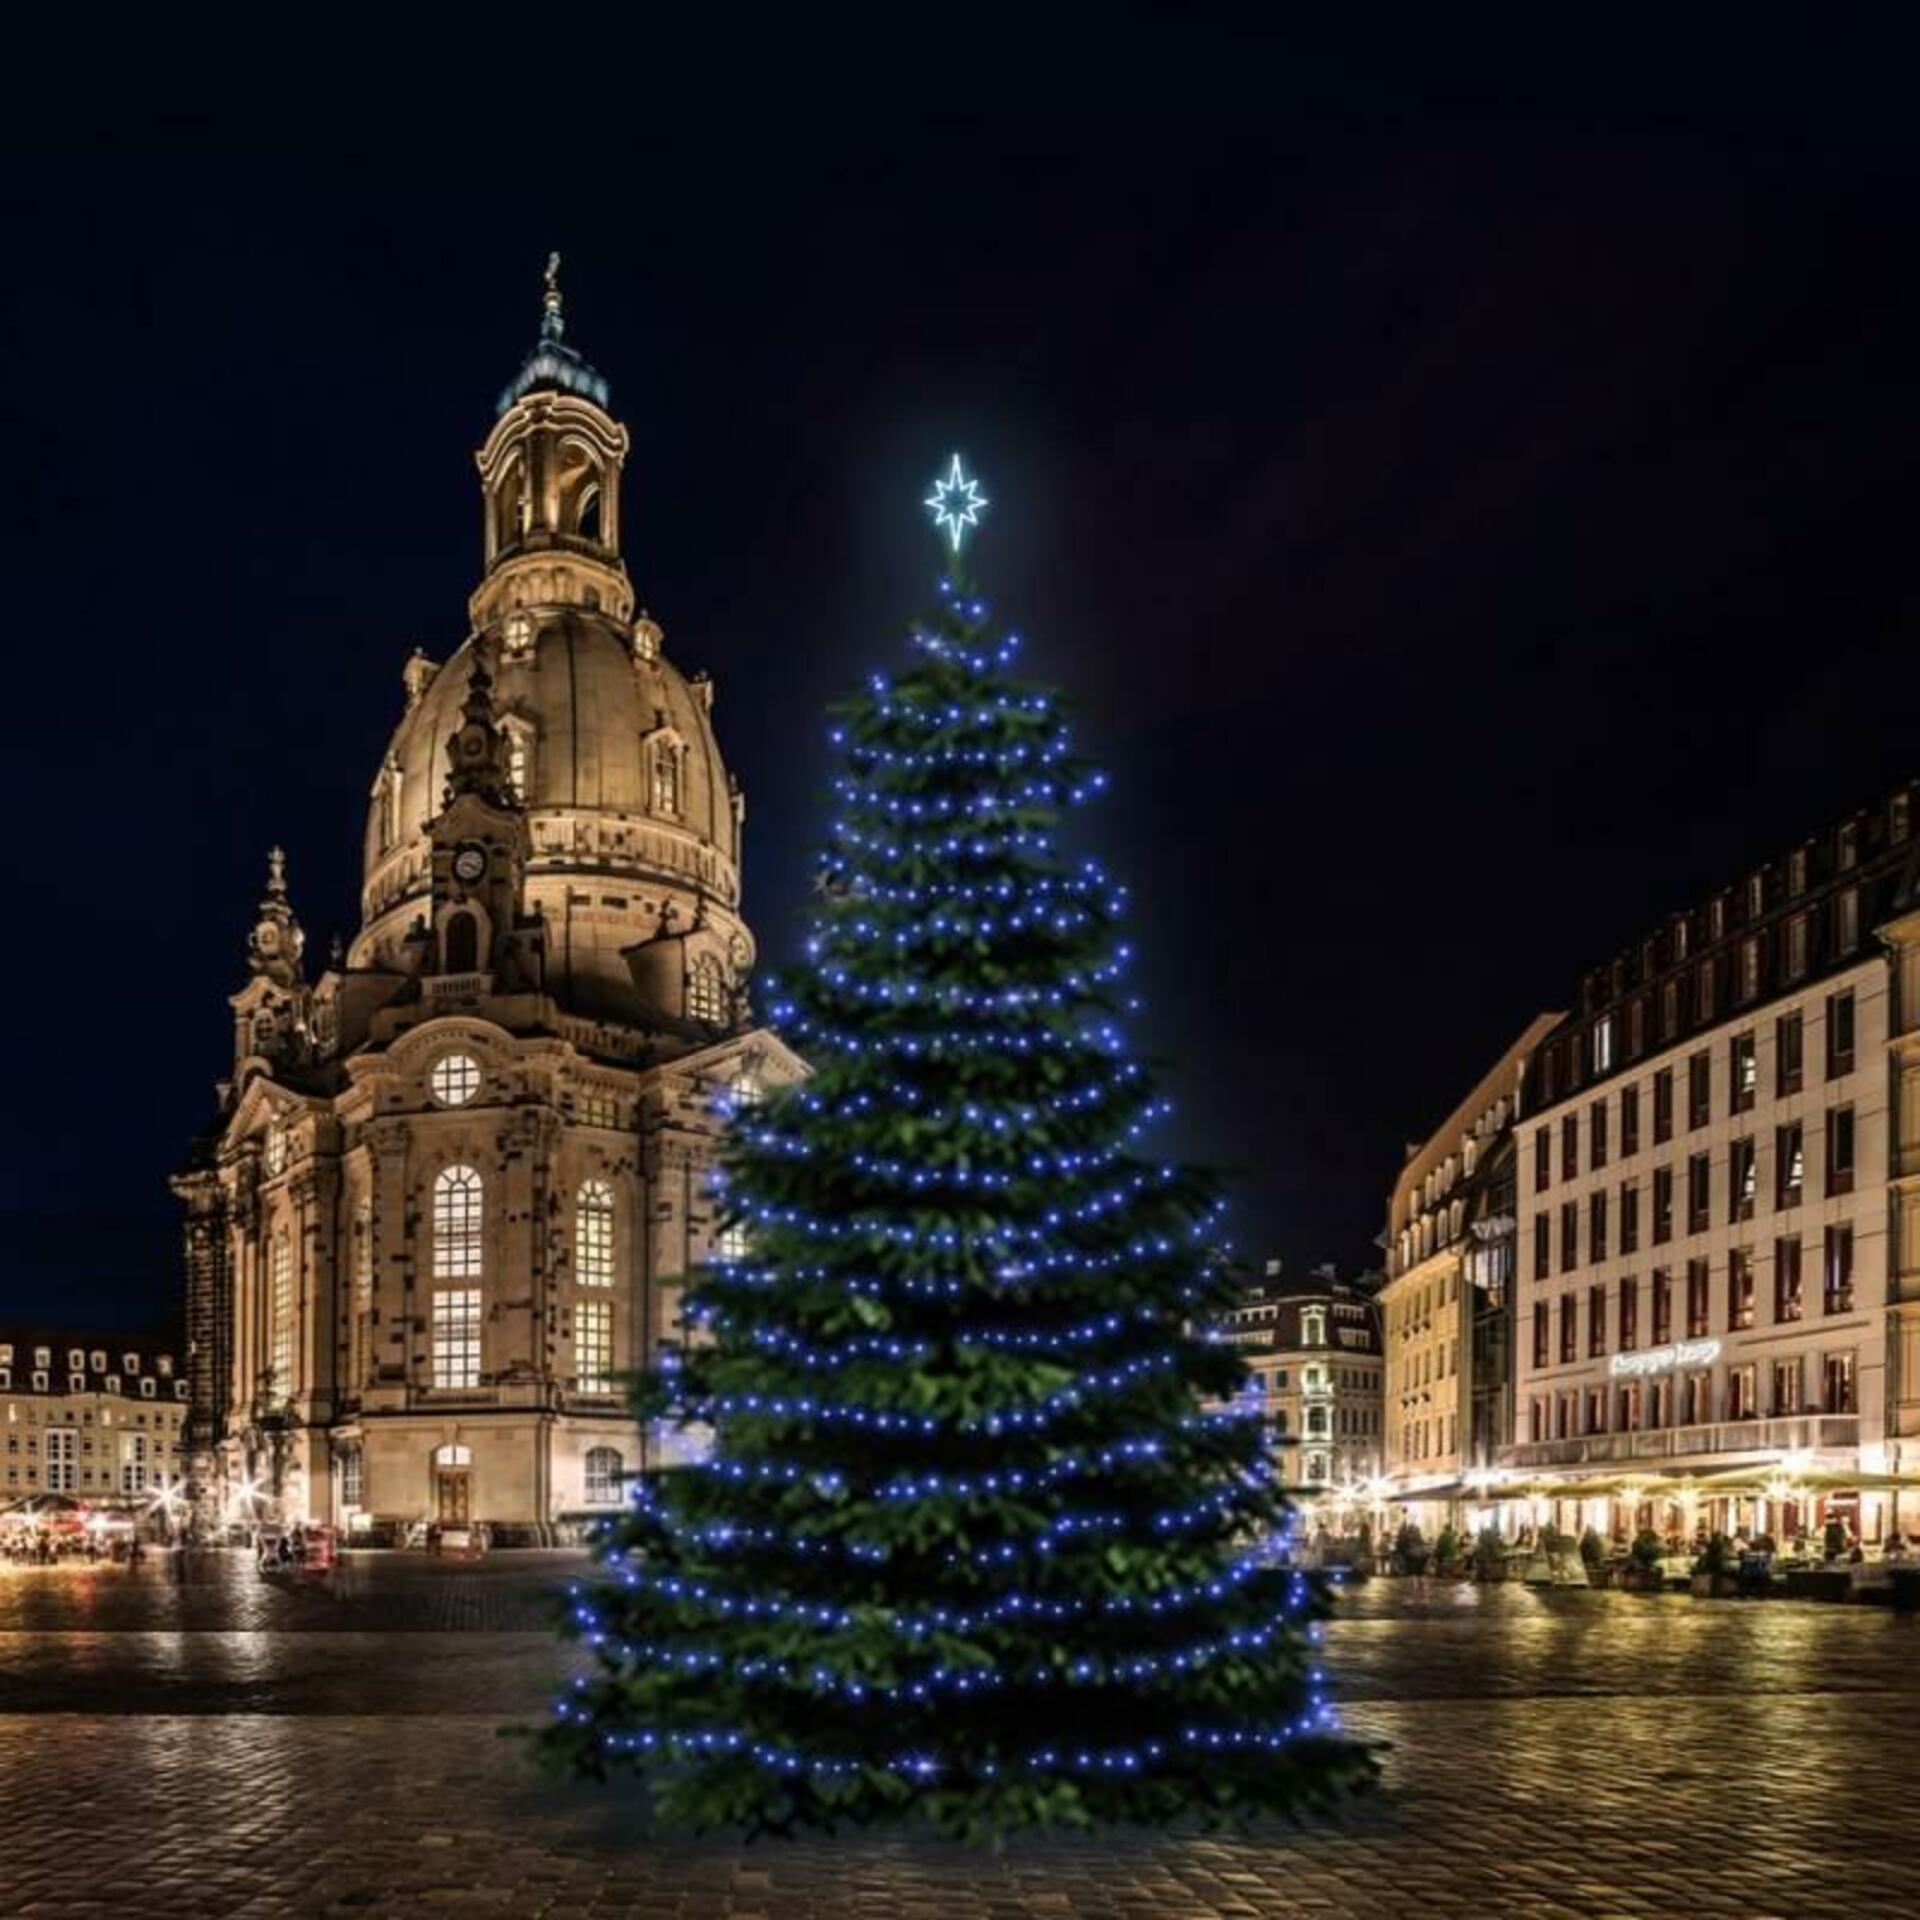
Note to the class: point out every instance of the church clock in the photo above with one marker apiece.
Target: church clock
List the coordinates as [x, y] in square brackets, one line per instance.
[469, 863]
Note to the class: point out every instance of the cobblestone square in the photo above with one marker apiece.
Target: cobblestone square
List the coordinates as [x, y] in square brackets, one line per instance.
[224, 1745]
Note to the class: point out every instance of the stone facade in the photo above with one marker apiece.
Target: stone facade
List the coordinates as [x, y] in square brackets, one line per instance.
[97, 1419]
[1719, 1236]
[1447, 1307]
[1313, 1348]
[455, 1185]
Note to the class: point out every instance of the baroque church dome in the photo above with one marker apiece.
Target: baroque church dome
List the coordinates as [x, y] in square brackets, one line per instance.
[633, 821]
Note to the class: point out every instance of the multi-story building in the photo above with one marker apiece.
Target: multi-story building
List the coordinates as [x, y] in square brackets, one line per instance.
[95, 1418]
[1313, 1348]
[454, 1186]
[1446, 1309]
[1719, 1241]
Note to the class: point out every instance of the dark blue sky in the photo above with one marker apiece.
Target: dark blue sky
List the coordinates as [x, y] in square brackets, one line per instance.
[1468, 489]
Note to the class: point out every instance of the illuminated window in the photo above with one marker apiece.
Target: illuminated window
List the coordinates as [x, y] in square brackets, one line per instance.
[58, 1459]
[746, 1090]
[604, 1467]
[593, 1234]
[1313, 1327]
[276, 1152]
[281, 1278]
[456, 1225]
[456, 1337]
[518, 635]
[133, 1464]
[519, 763]
[706, 993]
[351, 1486]
[667, 776]
[733, 1243]
[593, 1346]
[455, 1079]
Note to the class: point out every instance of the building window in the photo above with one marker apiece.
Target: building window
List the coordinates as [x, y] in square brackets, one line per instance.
[1313, 1327]
[593, 1346]
[1750, 968]
[668, 769]
[456, 1337]
[1846, 920]
[1669, 1009]
[1603, 1044]
[604, 1468]
[1837, 1384]
[1837, 1282]
[1663, 1106]
[1789, 1041]
[1541, 1354]
[1542, 1159]
[1699, 1303]
[1629, 1216]
[1569, 1235]
[1742, 1403]
[1789, 1164]
[1739, 1290]
[1786, 1387]
[1569, 1329]
[58, 1457]
[1699, 1193]
[1629, 1314]
[1662, 1307]
[133, 1463]
[1662, 1205]
[1703, 989]
[1797, 946]
[1569, 1145]
[1596, 1410]
[280, 1281]
[520, 764]
[1699, 1089]
[1596, 1322]
[352, 1484]
[1744, 1070]
[706, 992]
[1839, 1034]
[1899, 819]
[456, 1225]
[1839, 1150]
[1597, 1136]
[1629, 1122]
[1849, 847]
[1597, 1224]
[455, 1079]
[1787, 1300]
[1696, 1405]
[1743, 1170]
[593, 1234]
[1797, 871]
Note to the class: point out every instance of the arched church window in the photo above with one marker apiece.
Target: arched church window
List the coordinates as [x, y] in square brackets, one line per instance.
[281, 1310]
[510, 520]
[462, 943]
[455, 1079]
[456, 1224]
[517, 635]
[587, 516]
[593, 1234]
[520, 763]
[667, 777]
[706, 992]
[604, 1467]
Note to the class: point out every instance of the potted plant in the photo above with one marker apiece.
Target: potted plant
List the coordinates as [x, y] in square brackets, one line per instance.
[1489, 1555]
[1446, 1554]
[1410, 1552]
[1716, 1574]
[1593, 1556]
[1642, 1573]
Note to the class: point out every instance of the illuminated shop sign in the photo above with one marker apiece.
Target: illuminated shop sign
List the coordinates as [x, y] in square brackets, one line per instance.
[1682, 1353]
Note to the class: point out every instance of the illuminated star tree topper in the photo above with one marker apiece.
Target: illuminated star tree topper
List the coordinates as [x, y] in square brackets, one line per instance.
[956, 503]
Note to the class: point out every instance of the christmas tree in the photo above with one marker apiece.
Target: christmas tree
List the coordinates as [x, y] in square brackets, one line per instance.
[983, 1537]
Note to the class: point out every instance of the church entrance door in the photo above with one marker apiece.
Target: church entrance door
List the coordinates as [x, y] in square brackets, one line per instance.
[454, 1487]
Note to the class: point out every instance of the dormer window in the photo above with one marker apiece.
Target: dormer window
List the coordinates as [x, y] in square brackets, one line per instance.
[1849, 849]
[706, 992]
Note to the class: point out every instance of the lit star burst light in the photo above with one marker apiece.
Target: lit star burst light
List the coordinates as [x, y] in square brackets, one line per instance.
[956, 503]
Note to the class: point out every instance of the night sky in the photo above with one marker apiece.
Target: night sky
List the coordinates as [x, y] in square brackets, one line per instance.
[1468, 493]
